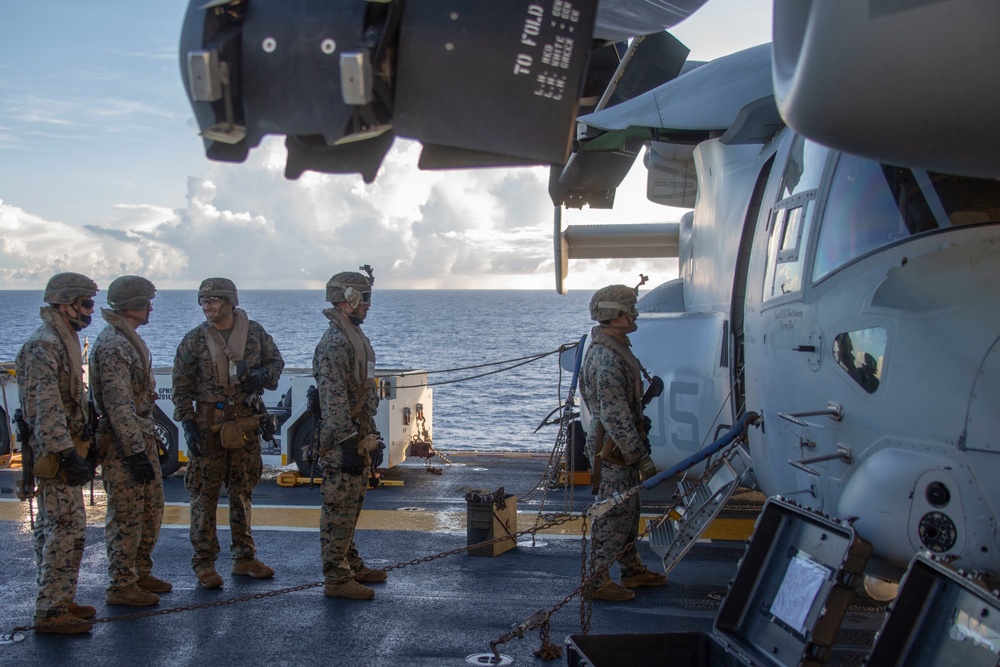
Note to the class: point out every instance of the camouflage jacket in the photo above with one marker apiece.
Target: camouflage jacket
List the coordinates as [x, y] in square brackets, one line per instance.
[613, 397]
[121, 379]
[334, 367]
[51, 397]
[194, 376]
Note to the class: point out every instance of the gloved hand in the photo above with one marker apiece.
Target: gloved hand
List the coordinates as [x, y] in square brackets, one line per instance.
[76, 468]
[350, 461]
[378, 455]
[192, 437]
[141, 468]
[253, 381]
[645, 426]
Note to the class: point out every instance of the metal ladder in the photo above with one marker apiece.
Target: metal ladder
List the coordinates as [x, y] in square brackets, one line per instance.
[700, 503]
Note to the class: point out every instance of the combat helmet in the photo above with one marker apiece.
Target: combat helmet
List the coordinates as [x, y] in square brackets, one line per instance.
[608, 301]
[349, 286]
[130, 293]
[221, 287]
[68, 287]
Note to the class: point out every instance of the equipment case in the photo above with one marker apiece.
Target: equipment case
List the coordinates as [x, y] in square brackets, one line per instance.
[939, 618]
[784, 606]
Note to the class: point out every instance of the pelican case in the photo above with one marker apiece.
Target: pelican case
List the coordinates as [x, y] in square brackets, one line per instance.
[783, 608]
[939, 617]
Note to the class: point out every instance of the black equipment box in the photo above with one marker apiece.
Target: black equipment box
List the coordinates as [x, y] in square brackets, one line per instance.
[938, 618]
[783, 608]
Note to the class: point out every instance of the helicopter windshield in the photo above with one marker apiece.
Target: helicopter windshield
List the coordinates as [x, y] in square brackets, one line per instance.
[871, 205]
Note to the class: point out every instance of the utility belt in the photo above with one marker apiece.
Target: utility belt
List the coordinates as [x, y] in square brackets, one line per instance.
[50, 465]
[225, 427]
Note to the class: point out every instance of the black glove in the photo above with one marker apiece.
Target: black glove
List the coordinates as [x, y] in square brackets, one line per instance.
[254, 380]
[141, 468]
[192, 437]
[645, 426]
[76, 468]
[350, 461]
[378, 455]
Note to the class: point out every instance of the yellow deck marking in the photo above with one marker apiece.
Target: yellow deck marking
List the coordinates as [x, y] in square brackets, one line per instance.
[296, 517]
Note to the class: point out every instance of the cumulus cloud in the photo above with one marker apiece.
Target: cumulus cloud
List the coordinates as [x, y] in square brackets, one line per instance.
[463, 229]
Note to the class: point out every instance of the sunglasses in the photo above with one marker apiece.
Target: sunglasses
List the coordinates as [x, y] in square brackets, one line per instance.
[209, 299]
[87, 303]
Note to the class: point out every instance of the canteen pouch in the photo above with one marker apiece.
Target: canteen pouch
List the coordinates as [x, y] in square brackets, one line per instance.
[235, 433]
[46, 467]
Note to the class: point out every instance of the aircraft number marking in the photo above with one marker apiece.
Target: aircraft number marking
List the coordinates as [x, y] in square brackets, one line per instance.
[679, 416]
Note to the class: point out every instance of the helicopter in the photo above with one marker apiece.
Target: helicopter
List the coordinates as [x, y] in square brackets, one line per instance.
[838, 269]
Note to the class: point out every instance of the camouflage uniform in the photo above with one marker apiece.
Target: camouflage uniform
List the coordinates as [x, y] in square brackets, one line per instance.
[121, 378]
[613, 396]
[335, 367]
[50, 382]
[196, 391]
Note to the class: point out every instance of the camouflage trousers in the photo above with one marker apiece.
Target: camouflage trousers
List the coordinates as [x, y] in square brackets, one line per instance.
[239, 470]
[343, 496]
[132, 525]
[60, 525]
[620, 526]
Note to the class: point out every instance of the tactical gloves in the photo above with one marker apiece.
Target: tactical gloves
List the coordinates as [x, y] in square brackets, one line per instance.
[351, 461]
[76, 468]
[192, 437]
[254, 380]
[141, 468]
[378, 455]
[645, 426]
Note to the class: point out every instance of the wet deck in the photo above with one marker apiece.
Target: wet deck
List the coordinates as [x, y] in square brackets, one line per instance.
[439, 611]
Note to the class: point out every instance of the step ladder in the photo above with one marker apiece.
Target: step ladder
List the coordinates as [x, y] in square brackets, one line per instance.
[700, 503]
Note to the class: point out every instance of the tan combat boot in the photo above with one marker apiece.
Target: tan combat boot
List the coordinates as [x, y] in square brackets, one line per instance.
[350, 589]
[208, 577]
[83, 611]
[154, 585]
[252, 568]
[646, 578]
[367, 575]
[62, 623]
[612, 592]
[132, 596]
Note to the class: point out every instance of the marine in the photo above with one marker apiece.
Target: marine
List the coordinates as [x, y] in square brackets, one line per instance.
[123, 387]
[49, 368]
[611, 386]
[349, 444]
[221, 368]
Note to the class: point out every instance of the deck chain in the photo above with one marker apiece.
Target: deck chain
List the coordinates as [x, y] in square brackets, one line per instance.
[556, 521]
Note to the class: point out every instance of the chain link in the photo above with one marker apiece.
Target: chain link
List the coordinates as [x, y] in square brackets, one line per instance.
[586, 579]
[302, 587]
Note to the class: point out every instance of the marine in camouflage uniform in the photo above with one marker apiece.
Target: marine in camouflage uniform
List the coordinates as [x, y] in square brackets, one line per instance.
[344, 368]
[121, 379]
[221, 368]
[611, 385]
[49, 369]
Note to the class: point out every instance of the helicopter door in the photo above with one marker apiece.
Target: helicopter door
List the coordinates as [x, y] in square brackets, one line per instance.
[785, 338]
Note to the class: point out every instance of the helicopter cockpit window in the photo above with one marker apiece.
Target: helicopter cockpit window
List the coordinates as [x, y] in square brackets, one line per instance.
[872, 205]
[789, 224]
[861, 355]
[804, 168]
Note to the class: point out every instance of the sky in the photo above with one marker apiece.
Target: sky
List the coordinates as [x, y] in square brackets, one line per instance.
[102, 172]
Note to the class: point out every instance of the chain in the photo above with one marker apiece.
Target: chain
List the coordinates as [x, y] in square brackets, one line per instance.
[302, 587]
[540, 619]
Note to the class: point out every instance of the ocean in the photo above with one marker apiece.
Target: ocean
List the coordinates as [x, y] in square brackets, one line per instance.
[435, 330]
